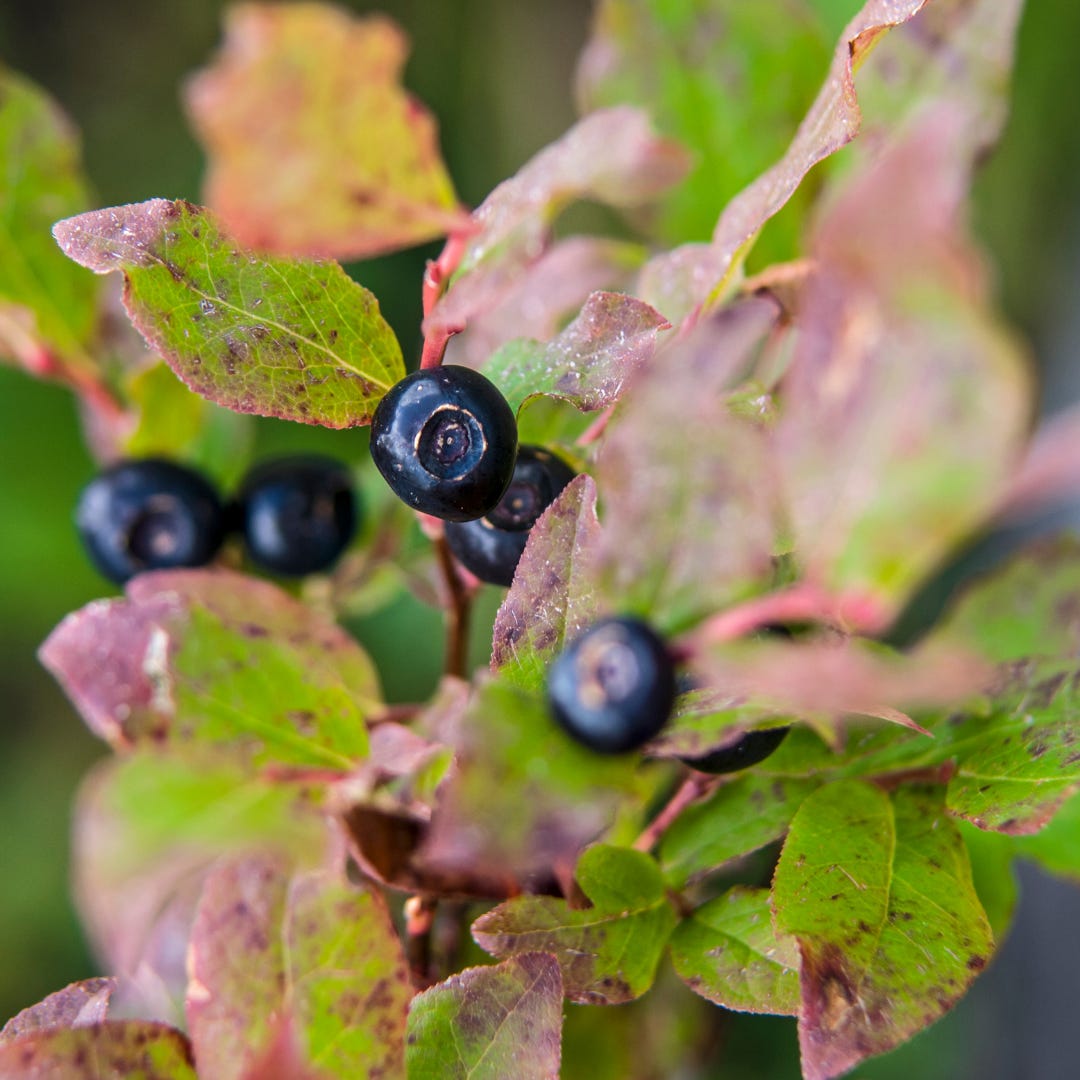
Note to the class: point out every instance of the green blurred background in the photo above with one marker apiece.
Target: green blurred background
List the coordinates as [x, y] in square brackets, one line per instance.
[498, 76]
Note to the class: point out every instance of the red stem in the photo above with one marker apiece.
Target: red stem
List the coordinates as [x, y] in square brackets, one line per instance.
[691, 789]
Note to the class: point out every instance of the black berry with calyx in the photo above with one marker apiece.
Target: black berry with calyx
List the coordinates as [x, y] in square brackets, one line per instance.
[297, 514]
[613, 687]
[490, 547]
[149, 514]
[445, 440]
[752, 748]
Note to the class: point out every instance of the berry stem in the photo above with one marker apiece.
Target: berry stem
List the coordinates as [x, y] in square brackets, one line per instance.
[438, 272]
[806, 602]
[458, 612]
[691, 789]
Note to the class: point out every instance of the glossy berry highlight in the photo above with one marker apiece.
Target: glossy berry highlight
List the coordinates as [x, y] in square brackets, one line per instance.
[149, 515]
[445, 440]
[752, 748]
[490, 547]
[613, 687]
[297, 514]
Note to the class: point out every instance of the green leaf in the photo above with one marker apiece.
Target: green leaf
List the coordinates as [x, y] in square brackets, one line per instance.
[46, 306]
[707, 720]
[489, 1023]
[1057, 846]
[292, 338]
[588, 362]
[608, 952]
[553, 595]
[612, 156]
[1028, 607]
[523, 796]
[213, 658]
[689, 513]
[879, 893]
[133, 1049]
[728, 952]
[992, 858]
[177, 424]
[148, 826]
[315, 148]
[312, 948]
[678, 281]
[729, 80]
[879, 495]
[742, 815]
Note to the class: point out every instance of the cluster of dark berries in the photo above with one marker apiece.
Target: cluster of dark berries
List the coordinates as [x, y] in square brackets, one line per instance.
[445, 440]
[296, 515]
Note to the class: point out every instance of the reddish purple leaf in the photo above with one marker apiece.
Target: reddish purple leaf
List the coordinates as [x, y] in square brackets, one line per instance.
[315, 148]
[546, 295]
[688, 486]
[587, 363]
[611, 156]
[553, 596]
[78, 1005]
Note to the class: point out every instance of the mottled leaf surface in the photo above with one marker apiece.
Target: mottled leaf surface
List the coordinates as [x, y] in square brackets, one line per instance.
[1030, 607]
[552, 597]
[878, 892]
[311, 947]
[293, 338]
[46, 305]
[216, 658]
[489, 1023]
[315, 148]
[688, 524]
[523, 795]
[547, 295]
[147, 827]
[740, 816]
[877, 494]
[729, 80]
[78, 1005]
[588, 362]
[608, 952]
[728, 952]
[1057, 846]
[133, 1049]
[612, 156]
[678, 281]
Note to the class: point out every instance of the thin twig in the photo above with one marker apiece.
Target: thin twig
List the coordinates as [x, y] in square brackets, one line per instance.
[458, 611]
[419, 920]
[691, 789]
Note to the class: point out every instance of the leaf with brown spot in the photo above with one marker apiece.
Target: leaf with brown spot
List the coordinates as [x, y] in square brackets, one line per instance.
[553, 596]
[212, 657]
[728, 952]
[878, 891]
[588, 362]
[311, 948]
[133, 1049]
[314, 146]
[78, 1005]
[612, 156]
[689, 522]
[608, 952]
[489, 1023]
[293, 338]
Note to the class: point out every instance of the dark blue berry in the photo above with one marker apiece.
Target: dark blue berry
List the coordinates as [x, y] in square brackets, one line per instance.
[149, 515]
[490, 547]
[613, 687]
[297, 514]
[445, 441]
[753, 747]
